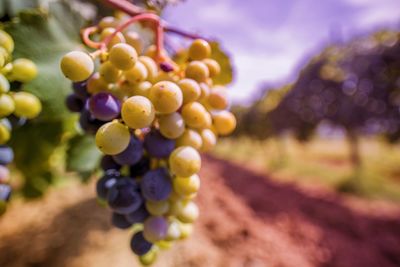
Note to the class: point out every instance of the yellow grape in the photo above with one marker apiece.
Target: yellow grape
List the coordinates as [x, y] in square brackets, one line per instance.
[174, 231]
[157, 208]
[213, 67]
[142, 88]
[109, 72]
[151, 52]
[26, 105]
[189, 213]
[185, 161]
[3, 56]
[24, 70]
[164, 244]
[96, 84]
[195, 115]
[186, 230]
[191, 90]
[7, 105]
[224, 122]
[123, 56]
[118, 38]
[197, 71]
[133, 39]
[151, 66]
[166, 97]
[77, 66]
[171, 125]
[190, 138]
[112, 138]
[108, 22]
[149, 258]
[6, 41]
[136, 74]
[186, 185]
[205, 91]
[4, 134]
[4, 84]
[218, 98]
[138, 112]
[199, 49]
[209, 140]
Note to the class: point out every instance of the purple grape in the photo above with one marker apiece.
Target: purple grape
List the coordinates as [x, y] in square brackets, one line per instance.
[156, 185]
[139, 245]
[104, 106]
[124, 197]
[157, 145]
[132, 154]
[6, 155]
[88, 123]
[106, 182]
[74, 103]
[5, 192]
[140, 168]
[166, 67]
[120, 221]
[138, 216]
[108, 163]
[80, 90]
[155, 228]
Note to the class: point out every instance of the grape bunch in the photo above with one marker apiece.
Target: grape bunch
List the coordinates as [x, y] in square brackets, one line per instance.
[16, 106]
[150, 117]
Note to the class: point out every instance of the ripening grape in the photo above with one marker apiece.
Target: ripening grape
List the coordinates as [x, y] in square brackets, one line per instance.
[191, 90]
[209, 140]
[104, 106]
[218, 98]
[224, 122]
[166, 97]
[138, 112]
[185, 161]
[136, 74]
[199, 49]
[7, 105]
[186, 185]
[4, 84]
[112, 138]
[213, 67]
[171, 125]
[4, 175]
[23, 70]
[197, 71]
[133, 39]
[123, 56]
[6, 155]
[195, 115]
[157, 208]
[26, 105]
[155, 228]
[109, 72]
[6, 41]
[189, 213]
[190, 138]
[77, 66]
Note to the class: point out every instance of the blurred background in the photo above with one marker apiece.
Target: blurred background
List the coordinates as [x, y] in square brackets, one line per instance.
[311, 176]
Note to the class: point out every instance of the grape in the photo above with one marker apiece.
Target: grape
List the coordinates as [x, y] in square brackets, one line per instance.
[23, 70]
[123, 56]
[112, 138]
[4, 175]
[132, 154]
[150, 65]
[197, 71]
[157, 145]
[218, 98]
[186, 230]
[120, 221]
[209, 140]
[4, 134]
[166, 97]
[151, 52]
[140, 168]
[157, 208]
[106, 182]
[189, 213]
[148, 258]
[136, 74]
[96, 84]
[118, 38]
[6, 41]
[155, 228]
[80, 90]
[74, 103]
[133, 39]
[7, 105]
[138, 216]
[6, 155]
[139, 245]
[104, 106]
[26, 105]
[142, 88]
[186, 185]
[88, 123]
[16, 121]
[174, 231]
[190, 138]
[156, 185]
[123, 197]
[107, 22]
[109, 72]
[185, 161]
[4, 84]
[224, 122]
[205, 91]
[5, 192]
[213, 67]
[138, 112]
[77, 66]
[108, 163]
[199, 49]
[195, 115]
[172, 125]
[190, 90]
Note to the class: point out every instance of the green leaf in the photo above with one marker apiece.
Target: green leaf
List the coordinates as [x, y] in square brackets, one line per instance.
[226, 75]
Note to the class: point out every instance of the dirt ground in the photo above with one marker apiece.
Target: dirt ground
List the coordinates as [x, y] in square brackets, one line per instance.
[247, 220]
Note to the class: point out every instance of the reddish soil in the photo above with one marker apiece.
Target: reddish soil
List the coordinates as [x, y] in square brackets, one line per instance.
[247, 220]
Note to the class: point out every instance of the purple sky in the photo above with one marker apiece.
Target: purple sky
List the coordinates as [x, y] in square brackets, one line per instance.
[269, 38]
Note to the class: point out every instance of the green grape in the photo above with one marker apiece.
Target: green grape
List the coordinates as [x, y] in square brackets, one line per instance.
[186, 230]
[191, 90]
[189, 213]
[190, 138]
[138, 112]
[118, 38]
[164, 244]
[166, 97]
[218, 98]
[109, 72]
[5, 134]
[7, 105]
[4, 84]
[213, 67]
[27, 105]
[151, 66]
[77, 66]
[136, 74]
[96, 84]
[197, 71]
[7, 68]
[6, 41]
[123, 56]
[142, 89]
[133, 39]
[209, 140]
[174, 230]
[108, 22]
[112, 138]
[172, 125]
[157, 208]
[224, 122]
[24, 70]
[185, 161]
[195, 115]
[186, 185]
[199, 49]
[149, 258]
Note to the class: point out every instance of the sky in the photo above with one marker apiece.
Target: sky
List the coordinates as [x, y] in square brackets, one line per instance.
[270, 39]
